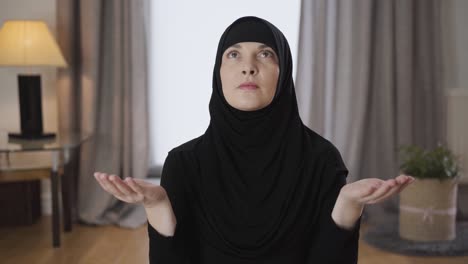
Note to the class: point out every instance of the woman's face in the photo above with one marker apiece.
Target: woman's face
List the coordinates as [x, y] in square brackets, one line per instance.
[249, 74]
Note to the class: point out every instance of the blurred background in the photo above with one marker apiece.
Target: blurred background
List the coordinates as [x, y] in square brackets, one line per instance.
[135, 82]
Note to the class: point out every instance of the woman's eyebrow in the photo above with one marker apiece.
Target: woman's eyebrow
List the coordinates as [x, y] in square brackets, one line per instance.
[263, 46]
[238, 46]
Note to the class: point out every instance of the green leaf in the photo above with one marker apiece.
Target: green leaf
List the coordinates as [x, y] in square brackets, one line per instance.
[439, 163]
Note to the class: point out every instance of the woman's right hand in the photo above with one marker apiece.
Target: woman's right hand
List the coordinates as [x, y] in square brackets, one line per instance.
[132, 190]
[153, 197]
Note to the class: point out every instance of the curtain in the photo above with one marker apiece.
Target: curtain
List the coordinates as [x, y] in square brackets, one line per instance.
[369, 80]
[104, 92]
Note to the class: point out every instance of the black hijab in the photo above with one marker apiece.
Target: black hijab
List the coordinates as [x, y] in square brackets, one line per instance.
[258, 179]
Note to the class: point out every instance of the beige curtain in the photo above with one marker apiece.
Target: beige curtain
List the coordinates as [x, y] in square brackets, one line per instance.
[368, 79]
[104, 92]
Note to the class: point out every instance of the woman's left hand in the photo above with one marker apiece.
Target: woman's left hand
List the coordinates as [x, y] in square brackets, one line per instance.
[354, 196]
[373, 190]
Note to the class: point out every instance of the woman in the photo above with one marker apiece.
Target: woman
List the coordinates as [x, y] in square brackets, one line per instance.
[258, 186]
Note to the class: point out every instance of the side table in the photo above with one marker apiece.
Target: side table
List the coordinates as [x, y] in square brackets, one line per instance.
[65, 153]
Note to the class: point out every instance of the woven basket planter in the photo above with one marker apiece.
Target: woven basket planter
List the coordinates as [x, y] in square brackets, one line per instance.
[428, 210]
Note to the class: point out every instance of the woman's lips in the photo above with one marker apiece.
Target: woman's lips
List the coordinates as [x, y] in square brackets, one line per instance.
[248, 86]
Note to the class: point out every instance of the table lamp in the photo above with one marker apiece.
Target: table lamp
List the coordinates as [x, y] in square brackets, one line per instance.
[29, 43]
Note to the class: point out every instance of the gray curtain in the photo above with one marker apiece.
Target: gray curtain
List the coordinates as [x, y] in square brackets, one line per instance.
[104, 92]
[369, 80]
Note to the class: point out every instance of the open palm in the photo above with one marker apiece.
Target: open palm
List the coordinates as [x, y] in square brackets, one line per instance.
[373, 190]
[131, 190]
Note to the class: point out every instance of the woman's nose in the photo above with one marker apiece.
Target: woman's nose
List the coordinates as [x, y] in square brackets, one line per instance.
[251, 72]
[249, 69]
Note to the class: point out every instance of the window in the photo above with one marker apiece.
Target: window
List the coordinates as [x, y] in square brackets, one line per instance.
[184, 39]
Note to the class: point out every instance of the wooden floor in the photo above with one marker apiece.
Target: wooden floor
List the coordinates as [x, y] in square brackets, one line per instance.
[101, 245]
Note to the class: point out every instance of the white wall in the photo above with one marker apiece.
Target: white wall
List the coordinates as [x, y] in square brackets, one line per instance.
[455, 72]
[9, 106]
[455, 43]
[185, 36]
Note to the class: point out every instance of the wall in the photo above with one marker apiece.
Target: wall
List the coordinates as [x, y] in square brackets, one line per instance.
[176, 118]
[455, 59]
[185, 36]
[455, 43]
[9, 107]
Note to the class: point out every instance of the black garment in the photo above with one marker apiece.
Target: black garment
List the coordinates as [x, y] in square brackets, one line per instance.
[257, 186]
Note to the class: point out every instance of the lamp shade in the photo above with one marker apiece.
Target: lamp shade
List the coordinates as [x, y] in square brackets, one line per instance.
[28, 43]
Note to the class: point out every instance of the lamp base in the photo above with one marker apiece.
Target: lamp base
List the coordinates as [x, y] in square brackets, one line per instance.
[31, 136]
[29, 93]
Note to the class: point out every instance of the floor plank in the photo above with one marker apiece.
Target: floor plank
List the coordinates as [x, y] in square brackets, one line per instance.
[111, 244]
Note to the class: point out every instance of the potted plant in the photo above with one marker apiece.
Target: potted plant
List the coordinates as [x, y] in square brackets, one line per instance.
[428, 206]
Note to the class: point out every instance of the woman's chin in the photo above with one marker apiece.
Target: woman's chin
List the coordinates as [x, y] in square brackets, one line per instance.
[250, 107]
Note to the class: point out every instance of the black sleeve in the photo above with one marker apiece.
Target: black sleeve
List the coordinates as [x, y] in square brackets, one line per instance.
[170, 250]
[333, 244]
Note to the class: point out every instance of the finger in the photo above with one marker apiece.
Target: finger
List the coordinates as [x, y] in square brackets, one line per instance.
[135, 186]
[98, 176]
[406, 184]
[109, 186]
[401, 182]
[361, 189]
[392, 191]
[370, 189]
[139, 180]
[385, 188]
[402, 179]
[121, 185]
[402, 174]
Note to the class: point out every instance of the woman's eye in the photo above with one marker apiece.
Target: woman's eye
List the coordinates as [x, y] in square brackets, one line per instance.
[266, 53]
[232, 54]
